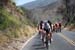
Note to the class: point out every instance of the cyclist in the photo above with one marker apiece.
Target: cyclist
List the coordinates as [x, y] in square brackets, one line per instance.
[48, 29]
[40, 28]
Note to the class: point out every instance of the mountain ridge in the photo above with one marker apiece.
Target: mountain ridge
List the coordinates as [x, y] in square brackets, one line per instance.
[38, 3]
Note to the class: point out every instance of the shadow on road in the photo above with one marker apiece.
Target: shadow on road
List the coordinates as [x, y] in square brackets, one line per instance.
[41, 47]
[36, 45]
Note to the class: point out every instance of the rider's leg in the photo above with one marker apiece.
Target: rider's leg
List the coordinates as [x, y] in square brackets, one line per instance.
[60, 29]
[50, 37]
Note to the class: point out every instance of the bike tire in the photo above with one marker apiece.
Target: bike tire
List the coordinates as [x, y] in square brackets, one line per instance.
[47, 42]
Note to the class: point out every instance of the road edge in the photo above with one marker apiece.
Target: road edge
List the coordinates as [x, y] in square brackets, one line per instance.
[28, 41]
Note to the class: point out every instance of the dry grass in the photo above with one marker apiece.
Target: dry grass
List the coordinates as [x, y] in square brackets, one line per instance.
[71, 27]
[3, 39]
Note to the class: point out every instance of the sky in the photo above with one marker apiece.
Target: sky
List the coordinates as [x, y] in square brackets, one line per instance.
[21, 2]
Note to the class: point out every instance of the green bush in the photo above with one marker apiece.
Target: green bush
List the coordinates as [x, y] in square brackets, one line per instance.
[6, 19]
[3, 22]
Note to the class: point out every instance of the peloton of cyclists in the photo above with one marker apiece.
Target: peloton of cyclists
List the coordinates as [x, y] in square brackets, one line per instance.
[45, 30]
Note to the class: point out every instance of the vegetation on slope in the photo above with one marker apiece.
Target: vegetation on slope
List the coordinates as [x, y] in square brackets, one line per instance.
[68, 11]
[13, 27]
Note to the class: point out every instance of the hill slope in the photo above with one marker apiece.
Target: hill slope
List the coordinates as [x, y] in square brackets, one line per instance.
[47, 10]
[38, 3]
[15, 27]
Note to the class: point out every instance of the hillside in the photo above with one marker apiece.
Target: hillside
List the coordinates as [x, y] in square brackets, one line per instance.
[67, 11]
[14, 26]
[38, 3]
[45, 11]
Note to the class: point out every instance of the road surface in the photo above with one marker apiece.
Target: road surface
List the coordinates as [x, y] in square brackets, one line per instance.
[58, 43]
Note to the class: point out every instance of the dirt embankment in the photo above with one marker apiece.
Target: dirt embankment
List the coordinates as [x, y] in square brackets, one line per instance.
[70, 27]
[7, 43]
[15, 27]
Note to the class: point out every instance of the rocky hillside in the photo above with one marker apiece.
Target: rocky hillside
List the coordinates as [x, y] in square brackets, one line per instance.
[38, 3]
[44, 9]
[15, 27]
[67, 10]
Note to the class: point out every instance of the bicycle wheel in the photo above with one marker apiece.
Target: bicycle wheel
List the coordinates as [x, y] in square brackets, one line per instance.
[47, 41]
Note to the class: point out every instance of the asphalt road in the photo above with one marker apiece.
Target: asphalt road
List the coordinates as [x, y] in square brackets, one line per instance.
[69, 34]
[58, 43]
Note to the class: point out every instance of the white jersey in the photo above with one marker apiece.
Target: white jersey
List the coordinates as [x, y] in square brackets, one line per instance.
[43, 26]
[48, 26]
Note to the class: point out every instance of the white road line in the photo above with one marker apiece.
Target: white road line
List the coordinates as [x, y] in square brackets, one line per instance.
[28, 41]
[67, 39]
